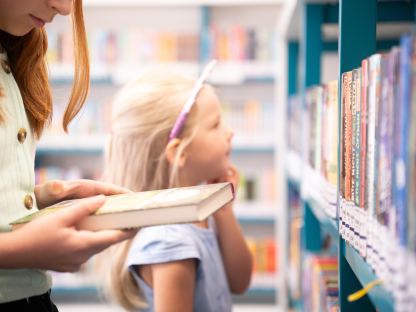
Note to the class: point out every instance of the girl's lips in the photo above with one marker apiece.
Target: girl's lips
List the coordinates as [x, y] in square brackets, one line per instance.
[37, 21]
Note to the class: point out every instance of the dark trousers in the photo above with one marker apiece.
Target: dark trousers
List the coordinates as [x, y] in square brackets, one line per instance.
[41, 303]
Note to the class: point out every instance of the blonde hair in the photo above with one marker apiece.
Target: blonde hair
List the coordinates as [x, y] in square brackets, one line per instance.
[26, 56]
[144, 112]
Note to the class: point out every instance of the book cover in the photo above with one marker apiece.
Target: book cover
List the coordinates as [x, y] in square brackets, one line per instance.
[133, 210]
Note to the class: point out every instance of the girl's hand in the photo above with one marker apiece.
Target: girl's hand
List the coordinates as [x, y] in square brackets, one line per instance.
[55, 191]
[53, 242]
[231, 175]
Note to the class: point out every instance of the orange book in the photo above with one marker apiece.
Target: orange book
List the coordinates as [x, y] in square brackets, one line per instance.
[270, 255]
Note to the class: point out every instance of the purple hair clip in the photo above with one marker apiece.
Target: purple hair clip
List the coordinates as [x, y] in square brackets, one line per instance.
[180, 122]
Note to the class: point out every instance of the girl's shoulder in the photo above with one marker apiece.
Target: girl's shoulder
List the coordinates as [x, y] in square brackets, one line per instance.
[163, 243]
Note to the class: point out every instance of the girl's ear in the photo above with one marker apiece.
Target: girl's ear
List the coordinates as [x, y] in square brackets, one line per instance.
[171, 151]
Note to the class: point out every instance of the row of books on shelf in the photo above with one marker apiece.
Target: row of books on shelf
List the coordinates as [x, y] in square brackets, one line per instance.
[313, 134]
[320, 284]
[251, 121]
[135, 46]
[264, 252]
[378, 172]
[377, 169]
[313, 129]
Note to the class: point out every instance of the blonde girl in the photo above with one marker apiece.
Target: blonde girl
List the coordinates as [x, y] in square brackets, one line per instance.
[52, 242]
[167, 131]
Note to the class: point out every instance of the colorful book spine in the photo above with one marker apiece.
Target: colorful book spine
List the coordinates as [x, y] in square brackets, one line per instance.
[357, 137]
[318, 128]
[347, 133]
[363, 132]
[395, 81]
[385, 147]
[411, 200]
[401, 139]
[353, 138]
[332, 133]
[372, 108]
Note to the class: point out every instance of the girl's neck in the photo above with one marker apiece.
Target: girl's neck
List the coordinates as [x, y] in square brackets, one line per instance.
[183, 182]
[188, 181]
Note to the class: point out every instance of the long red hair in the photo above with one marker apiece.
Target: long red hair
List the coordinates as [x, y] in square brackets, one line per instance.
[26, 56]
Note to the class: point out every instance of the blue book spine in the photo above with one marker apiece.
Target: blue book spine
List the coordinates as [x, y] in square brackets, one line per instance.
[401, 135]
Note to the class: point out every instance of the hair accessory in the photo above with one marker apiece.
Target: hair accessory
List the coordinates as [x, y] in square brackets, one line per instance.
[180, 122]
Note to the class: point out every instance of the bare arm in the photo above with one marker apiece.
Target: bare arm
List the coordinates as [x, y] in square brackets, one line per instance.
[236, 256]
[53, 243]
[174, 286]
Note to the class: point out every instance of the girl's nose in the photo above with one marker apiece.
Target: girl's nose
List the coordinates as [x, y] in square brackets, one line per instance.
[62, 7]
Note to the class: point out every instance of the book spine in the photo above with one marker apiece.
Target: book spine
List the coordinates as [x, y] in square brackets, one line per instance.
[344, 80]
[373, 97]
[333, 132]
[353, 100]
[347, 135]
[411, 200]
[357, 138]
[395, 69]
[318, 128]
[384, 155]
[363, 137]
[401, 139]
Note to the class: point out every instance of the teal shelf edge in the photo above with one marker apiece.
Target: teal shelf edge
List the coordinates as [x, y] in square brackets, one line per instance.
[248, 150]
[97, 151]
[84, 290]
[261, 292]
[68, 152]
[381, 299]
[297, 305]
[256, 220]
[294, 183]
[328, 224]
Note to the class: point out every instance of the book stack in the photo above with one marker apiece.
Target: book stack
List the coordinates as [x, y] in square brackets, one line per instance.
[47, 173]
[320, 145]
[294, 113]
[294, 263]
[131, 46]
[257, 186]
[378, 166]
[264, 254]
[320, 284]
[251, 121]
[238, 43]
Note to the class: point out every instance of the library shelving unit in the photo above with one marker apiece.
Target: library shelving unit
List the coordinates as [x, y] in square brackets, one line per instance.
[246, 85]
[354, 29]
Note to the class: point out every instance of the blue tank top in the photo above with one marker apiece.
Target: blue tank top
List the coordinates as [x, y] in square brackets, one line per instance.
[158, 244]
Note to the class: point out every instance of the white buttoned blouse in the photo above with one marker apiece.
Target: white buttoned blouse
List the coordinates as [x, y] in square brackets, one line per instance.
[17, 181]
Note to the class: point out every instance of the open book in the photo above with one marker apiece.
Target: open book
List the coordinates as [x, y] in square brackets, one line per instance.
[133, 210]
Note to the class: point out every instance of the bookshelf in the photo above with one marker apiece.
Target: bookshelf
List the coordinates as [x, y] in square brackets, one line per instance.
[246, 83]
[354, 30]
